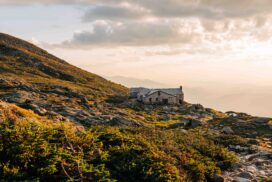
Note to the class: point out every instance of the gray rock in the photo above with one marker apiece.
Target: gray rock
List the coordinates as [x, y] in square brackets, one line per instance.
[197, 107]
[260, 120]
[177, 125]
[36, 109]
[166, 108]
[227, 130]
[122, 113]
[253, 149]
[148, 108]
[51, 113]
[120, 121]
[262, 173]
[245, 175]
[261, 162]
[232, 114]
[107, 117]
[239, 179]
[83, 113]
[175, 109]
[195, 123]
[251, 169]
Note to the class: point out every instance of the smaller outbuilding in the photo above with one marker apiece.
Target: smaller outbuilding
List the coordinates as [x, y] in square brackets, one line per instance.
[173, 96]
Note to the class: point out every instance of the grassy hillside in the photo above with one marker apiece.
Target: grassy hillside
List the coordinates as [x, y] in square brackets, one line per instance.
[20, 59]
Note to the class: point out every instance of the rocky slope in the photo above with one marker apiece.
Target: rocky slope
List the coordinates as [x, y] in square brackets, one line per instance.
[37, 80]
[54, 91]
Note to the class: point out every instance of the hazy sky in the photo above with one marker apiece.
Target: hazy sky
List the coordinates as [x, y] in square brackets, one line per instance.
[220, 50]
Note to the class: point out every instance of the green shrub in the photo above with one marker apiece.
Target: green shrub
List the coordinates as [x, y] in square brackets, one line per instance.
[62, 152]
[227, 140]
[31, 151]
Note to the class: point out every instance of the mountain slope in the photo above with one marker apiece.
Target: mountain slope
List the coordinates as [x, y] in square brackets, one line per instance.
[20, 58]
[34, 79]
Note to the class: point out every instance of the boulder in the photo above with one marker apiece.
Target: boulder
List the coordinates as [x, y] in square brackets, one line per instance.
[120, 121]
[252, 169]
[83, 113]
[166, 108]
[227, 130]
[238, 148]
[253, 148]
[51, 113]
[148, 108]
[260, 120]
[177, 125]
[232, 114]
[197, 107]
[261, 162]
[239, 179]
[107, 117]
[175, 109]
[245, 175]
[35, 108]
[122, 113]
[194, 123]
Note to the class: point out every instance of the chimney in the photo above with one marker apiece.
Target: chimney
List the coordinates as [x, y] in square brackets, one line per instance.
[180, 88]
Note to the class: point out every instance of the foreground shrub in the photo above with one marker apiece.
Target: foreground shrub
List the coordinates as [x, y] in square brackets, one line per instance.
[31, 150]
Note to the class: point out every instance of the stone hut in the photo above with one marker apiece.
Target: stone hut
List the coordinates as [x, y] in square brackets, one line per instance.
[172, 96]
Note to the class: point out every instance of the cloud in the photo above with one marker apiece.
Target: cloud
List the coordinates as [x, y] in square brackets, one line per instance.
[116, 23]
[104, 33]
[114, 12]
[200, 36]
[211, 9]
[46, 2]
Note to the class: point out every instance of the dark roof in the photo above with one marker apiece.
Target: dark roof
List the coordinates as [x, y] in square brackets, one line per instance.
[145, 91]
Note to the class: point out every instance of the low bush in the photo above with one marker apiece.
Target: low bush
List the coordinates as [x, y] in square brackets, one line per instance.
[32, 150]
